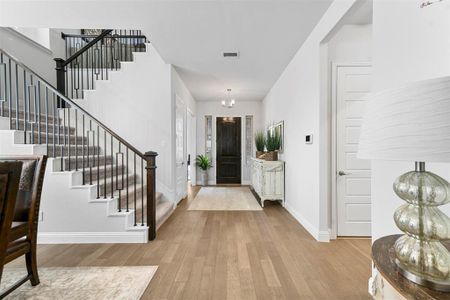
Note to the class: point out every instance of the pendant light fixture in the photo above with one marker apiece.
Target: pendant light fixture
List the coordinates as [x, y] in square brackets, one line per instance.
[228, 102]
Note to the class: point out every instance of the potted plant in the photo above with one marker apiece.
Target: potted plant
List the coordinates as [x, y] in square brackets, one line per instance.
[273, 143]
[260, 142]
[204, 163]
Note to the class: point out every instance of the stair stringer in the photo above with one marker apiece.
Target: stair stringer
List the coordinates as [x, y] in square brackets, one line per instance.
[70, 211]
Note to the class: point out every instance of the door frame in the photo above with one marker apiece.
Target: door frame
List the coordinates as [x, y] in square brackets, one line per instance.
[179, 102]
[333, 170]
[192, 132]
[215, 144]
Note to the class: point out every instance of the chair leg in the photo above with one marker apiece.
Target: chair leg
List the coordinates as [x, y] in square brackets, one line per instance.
[30, 259]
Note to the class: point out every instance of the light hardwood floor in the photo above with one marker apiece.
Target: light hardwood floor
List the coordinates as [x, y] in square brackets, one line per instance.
[233, 255]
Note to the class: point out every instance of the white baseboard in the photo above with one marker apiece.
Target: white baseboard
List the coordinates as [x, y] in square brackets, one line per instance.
[320, 236]
[92, 237]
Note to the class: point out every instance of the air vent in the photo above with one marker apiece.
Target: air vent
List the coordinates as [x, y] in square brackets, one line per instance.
[230, 54]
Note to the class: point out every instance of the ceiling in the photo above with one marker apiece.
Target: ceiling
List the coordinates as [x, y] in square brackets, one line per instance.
[192, 35]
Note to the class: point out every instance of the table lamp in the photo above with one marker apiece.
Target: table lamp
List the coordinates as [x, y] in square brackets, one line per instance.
[412, 123]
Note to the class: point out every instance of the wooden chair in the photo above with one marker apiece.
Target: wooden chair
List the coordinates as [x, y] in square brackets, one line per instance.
[22, 236]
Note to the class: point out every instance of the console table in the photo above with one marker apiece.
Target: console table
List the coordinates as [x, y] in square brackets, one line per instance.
[390, 284]
[268, 180]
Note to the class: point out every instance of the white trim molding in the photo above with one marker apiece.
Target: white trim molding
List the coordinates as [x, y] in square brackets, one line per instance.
[140, 236]
[319, 235]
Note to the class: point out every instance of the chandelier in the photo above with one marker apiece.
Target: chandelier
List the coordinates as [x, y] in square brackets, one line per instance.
[228, 102]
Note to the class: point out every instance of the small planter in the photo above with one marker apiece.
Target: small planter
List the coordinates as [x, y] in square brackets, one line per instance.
[259, 153]
[203, 177]
[271, 156]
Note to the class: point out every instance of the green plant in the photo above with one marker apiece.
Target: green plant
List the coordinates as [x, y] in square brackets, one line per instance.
[260, 141]
[203, 162]
[273, 140]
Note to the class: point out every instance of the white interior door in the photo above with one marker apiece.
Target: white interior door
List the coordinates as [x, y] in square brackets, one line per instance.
[353, 174]
[180, 149]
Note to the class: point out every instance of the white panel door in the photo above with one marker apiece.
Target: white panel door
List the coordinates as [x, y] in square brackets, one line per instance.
[354, 175]
[180, 150]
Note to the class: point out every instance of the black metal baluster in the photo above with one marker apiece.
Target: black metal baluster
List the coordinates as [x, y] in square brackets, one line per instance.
[106, 57]
[2, 91]
[135, 179]
[10, 93]
[98, 161]
[101, 59]
[142, 192]
[128, 176]
[17, 96]
[104, 163]
[25, 101]
[89, 151]
[46, 118]
[54, 124]
[76, 139]
[92, 68]
[117, 178]
[38, 110]
[112, 168]
[72, 75]
[82, 72]
[69, 137]
[83, 148]
[59, 138]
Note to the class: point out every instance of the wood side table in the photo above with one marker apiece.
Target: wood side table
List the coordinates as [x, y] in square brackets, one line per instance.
[390, 284]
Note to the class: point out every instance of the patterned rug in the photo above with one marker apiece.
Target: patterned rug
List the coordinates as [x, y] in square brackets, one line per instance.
[82, 283]
[225, 198]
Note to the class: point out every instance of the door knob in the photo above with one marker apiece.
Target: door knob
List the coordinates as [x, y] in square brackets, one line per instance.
[342, 173]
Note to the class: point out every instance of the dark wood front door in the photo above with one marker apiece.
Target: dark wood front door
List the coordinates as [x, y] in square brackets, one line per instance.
[228, 157]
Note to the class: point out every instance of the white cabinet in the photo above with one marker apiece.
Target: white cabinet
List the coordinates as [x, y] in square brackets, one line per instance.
[268, 180]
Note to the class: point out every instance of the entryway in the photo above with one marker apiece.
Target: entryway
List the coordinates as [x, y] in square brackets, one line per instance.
[228, 150]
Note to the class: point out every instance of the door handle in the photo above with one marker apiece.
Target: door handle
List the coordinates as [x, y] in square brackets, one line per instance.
[342, 173]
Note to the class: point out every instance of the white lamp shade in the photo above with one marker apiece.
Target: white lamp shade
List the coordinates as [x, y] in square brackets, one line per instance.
[410, 123]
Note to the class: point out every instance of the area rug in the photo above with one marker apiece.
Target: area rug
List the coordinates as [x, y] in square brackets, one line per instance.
[225, 198]
[82, 283]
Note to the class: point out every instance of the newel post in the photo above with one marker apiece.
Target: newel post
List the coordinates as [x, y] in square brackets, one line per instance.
[60, 79]
[150, 158]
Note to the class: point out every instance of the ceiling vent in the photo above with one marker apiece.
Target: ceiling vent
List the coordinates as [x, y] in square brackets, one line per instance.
[231, 54]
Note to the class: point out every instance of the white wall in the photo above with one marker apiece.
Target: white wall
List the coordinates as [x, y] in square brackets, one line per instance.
[32, 54]
[410, 44]
[215, 109]
[137, 104]
[351, 43]
[39, 35]
[296, 98]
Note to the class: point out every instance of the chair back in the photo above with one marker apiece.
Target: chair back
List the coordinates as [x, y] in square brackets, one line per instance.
[30, 188]
[9, 186]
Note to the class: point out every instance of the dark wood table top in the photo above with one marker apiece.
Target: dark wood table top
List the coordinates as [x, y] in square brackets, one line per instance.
[384, 259]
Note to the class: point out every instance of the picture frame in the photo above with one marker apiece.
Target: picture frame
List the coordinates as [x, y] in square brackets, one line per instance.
[279, 127]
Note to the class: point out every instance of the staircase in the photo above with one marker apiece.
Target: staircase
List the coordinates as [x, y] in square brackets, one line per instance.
[91, 170]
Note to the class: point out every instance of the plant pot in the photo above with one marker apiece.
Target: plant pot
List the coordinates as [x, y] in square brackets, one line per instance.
[271, 156]
[204, 177]
[259, 153]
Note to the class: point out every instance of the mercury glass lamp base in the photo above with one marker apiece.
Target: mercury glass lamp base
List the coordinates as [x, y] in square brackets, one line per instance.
[438, 285]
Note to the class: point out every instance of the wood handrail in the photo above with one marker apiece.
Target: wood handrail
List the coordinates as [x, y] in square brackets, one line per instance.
[73, 104]
[85, 47]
